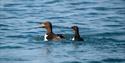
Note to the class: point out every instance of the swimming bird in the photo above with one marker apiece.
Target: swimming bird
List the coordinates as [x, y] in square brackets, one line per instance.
[76, 36]
[49, 34]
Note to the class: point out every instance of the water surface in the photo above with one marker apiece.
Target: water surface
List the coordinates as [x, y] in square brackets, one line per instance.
[101, 23]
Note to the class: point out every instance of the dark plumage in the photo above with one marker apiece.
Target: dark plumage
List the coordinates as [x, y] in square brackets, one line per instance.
[76, 36]
[50, 35]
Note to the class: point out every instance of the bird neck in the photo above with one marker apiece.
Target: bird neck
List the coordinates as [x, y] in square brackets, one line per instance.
[77, 34]
[49, 30]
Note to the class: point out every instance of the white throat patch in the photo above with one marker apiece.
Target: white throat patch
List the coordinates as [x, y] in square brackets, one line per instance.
[73, 38]
[45, 37]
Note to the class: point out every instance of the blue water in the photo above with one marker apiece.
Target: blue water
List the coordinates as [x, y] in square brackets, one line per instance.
[101, 23]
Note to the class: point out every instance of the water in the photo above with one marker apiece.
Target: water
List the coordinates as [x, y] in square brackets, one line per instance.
[101, 23]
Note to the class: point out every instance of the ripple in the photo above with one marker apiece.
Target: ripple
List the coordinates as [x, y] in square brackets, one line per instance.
[12, 17]
[10, 47]
[101, 8]
[34, 22]
[12, 4]
[11, 9]
[113, 60]
[4, 25]
[114, 17]
[71, 62]
[80, 8]
[56, 18]
[17, 36]
[55, 26]
[107, 8]
[81, 3]
[52, 2]
[95, 13]
[31, 6]
[27, 0]
[80, 23]
[121, 12]
[110, 34]
[113, 25]
[12, 59]
[5, 29]
[94, 62]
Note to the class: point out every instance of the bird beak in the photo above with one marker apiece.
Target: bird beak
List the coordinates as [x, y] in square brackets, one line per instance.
[42, 25]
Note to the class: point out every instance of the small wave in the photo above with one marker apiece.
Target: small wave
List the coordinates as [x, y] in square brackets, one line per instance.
[10, 47]
[17, 36]
[80, 8]
[71, 62]
[95, 13]
[5, 29]
[3, 25]
[31, 6]
[81, 3]
[121, 12]
[12, 59]
[80, 23]
[34, 22]
[94, 62]
[11, 17]
[113, 60]
[52, 2]
[55, 26]
[100, 8]
[11, 9]
[109, 34]
[113, 25]
[114, 17]
[11, 4]
[26, 0]
[56, 18]
[31, 32]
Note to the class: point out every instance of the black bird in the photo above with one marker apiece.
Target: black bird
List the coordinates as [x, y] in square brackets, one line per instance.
[76, 36]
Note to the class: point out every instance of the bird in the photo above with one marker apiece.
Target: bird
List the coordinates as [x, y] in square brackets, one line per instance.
[76, 36]
[49, 35]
